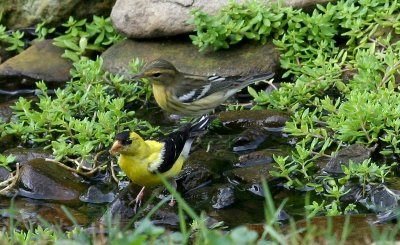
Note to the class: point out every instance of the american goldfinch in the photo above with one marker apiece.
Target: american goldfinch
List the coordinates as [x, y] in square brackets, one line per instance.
[192, 95]
[141, 159]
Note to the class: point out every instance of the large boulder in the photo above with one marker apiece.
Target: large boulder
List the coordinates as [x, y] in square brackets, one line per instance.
[242, 59]
[19, 14]
[160, 18]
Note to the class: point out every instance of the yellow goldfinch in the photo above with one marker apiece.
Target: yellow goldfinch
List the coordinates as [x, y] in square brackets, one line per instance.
[192, 95]
[141, 159]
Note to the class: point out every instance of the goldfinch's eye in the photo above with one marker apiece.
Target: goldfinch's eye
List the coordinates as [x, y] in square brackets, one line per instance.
[126, 142]
[156, 75]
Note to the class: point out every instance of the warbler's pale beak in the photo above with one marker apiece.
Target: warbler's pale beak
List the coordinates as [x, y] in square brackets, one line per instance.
[138, 75]
[116, 147]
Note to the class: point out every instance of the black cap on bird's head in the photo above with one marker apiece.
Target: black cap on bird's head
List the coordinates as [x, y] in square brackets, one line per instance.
[123, 137]
[122, 140]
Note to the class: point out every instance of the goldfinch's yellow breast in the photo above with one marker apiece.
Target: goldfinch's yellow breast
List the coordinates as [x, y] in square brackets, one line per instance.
[137, 167]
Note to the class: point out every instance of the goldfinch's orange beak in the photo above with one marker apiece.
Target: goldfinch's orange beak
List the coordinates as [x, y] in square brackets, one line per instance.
[116, 147]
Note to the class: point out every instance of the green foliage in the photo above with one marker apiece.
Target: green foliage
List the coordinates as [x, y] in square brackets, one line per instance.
[234, 23]
[342, 85]
[366, 172]
[12, 38]
[82, 37]
[6, 160]
[42, 30]
[83, 117]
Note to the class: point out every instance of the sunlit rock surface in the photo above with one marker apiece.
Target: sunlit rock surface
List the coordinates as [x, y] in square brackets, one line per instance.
[149, 19]
[17, 14]
[242, 59]
[41, 61]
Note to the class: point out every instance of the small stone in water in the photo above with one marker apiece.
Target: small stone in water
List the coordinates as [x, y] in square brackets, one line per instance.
[224, 197]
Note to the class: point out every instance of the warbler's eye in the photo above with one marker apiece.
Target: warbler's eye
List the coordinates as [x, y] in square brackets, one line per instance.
[126, 142]
[156, 75]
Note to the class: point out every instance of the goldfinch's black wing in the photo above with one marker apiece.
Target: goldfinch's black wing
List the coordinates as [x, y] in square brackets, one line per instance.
[173, 146]
[177, 142]
[194, 88]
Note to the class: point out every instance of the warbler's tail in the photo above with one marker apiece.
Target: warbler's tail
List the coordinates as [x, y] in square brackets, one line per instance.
[195, 130]
[201, 124]
[245, 81]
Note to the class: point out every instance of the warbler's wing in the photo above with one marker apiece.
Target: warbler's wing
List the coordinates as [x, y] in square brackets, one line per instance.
[172, 147]
[192, 88]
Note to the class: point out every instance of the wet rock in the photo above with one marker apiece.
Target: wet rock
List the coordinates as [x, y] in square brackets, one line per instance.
[267, 119]
[249, 175]
[165, 216]
[4, 54]
[17, 14]
[4, 174]
[381, 199]
[5, 111]
[224, 197]
[42, 61]
[149, 19]
[259, 58]
[198, 170]
[200, 198]
[40, 179]
[8, 141]
[95, 195]
[389, 216]
[249, 139]
[356, 152]
[256, 189]
[24, 155]
[355, 192]
[123, 208]
[31, 212]
[259, 157]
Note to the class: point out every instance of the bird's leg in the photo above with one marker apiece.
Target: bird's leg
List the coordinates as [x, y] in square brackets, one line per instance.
[139, 199]
[172, 201]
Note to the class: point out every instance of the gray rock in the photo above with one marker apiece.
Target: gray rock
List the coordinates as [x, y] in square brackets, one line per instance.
[198, 170]
[356, 153]
[17, 14]
[42, 61]
[5, 110]
[264, 156]
[4, 174]
[224, 197]
[239, 60]
[381, 199]
[40, 179]
[24, 155]
[250, 175]
[160, 18]
[24, 210]
[95, 195]
[254, 119]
